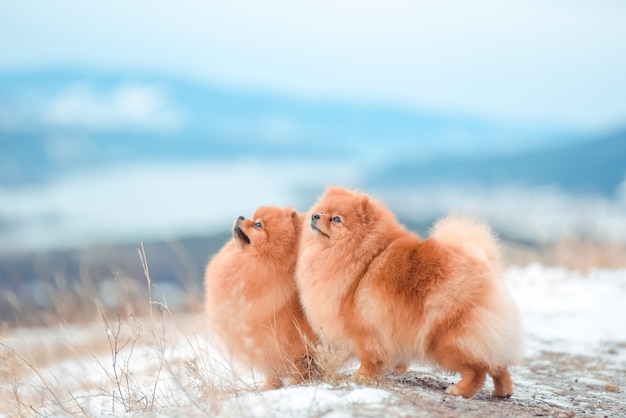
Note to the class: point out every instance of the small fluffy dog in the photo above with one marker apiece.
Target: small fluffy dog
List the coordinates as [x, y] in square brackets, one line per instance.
[251, 298]
[372, 286]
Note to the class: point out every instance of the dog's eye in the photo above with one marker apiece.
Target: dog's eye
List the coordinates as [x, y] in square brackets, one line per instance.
[337, 220]
[258, 225]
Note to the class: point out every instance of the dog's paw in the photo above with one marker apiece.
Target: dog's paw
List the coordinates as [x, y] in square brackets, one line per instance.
[458, 390]
[453, 390]
[502, 393]
[400, 369]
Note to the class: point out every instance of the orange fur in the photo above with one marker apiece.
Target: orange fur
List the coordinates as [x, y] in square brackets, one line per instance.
[251, 299]
[369, 284]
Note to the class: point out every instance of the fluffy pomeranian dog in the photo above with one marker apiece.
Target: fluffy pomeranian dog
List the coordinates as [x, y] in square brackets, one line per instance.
[369, 285]
[251, 298]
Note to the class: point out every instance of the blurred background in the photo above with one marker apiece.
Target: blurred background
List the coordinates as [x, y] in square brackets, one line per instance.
[155, 122]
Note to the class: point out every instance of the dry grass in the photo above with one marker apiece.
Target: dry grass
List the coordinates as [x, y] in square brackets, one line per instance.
[118, 351]
[572, 253]
[331, 363]
[148, 362]
[50, 288]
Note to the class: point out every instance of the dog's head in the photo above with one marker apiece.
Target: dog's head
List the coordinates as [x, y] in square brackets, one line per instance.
[341, 217]
[347, 218]
[271, 231]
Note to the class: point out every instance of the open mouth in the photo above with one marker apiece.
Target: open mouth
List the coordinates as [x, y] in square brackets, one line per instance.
[240, 235]
[314, 228]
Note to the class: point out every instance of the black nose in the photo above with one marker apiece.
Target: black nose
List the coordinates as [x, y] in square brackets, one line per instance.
[241, 218]
[315, 217]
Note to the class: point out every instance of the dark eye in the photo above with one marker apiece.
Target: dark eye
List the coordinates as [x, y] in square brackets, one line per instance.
[337, 220]
[258, 225]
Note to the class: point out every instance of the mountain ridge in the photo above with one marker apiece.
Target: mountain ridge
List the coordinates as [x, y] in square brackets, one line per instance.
[60, 122]
[596, 166]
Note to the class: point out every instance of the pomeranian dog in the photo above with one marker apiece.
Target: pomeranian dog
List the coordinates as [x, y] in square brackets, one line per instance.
[251, 299]
[369, 285]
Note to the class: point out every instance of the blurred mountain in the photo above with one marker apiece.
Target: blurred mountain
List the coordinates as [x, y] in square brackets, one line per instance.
[596, 166]
[57, 122]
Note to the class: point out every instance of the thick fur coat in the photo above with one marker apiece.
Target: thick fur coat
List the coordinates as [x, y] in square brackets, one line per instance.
[369, 285]
[251, 300]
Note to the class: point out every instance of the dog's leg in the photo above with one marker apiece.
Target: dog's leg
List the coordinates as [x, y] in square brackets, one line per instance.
[401, 368]
[471, 382]
[371, 369]
[371, 366]
[502, 383]
[272, 381]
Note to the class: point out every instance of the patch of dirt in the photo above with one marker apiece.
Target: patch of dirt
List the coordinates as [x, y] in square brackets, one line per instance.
[548, 383]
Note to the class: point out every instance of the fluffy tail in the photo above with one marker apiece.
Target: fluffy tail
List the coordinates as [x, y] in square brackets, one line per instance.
[473, 238]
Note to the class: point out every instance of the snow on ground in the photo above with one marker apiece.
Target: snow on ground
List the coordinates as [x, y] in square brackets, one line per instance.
[575, 365]
[571, 309]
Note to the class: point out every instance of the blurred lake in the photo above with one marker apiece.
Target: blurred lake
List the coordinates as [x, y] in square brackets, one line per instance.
[88, 159]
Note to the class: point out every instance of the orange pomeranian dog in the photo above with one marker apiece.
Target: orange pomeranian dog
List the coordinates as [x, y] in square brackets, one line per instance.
[251, 299]
[373, 287]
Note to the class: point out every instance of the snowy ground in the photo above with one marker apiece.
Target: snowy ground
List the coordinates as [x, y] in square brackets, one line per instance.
[168, 366]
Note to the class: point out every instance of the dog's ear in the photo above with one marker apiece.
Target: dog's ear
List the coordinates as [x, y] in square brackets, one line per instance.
[364, 208]
[336, 190]
[296, 218]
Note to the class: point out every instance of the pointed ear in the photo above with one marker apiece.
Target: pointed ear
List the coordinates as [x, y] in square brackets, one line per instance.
[296, 218]
[336, 190]
[291, 211]
[364, 208]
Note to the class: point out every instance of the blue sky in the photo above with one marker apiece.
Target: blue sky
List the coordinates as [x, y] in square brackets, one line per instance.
[548, 62]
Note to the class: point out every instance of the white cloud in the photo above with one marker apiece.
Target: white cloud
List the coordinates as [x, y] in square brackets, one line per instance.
[135, 106]
[557, 62]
